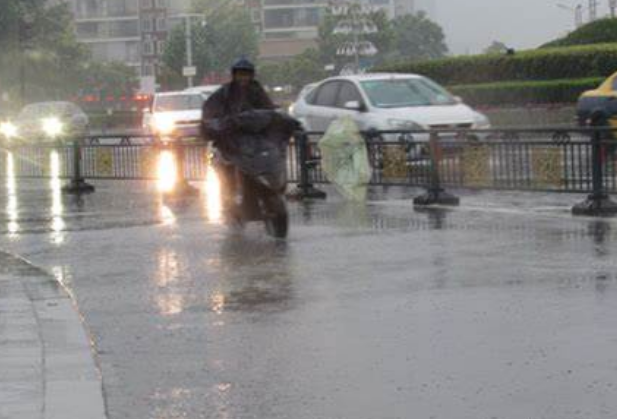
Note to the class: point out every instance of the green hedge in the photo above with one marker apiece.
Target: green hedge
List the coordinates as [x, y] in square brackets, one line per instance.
[525, 93]
[600, 31]
[543, 64]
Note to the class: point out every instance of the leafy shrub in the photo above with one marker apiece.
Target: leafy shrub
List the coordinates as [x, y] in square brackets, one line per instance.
[543, 64]
[598, 32]
[525, 92]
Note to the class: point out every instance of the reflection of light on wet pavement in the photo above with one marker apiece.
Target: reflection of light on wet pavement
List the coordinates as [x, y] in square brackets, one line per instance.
[214, 205]
[167, 215]
[168, 301]
[170, 304]
[166, 172]
[217, 303]
[63, 276]
[172, 403]
[11, 187]
[223, 387]
[57, 209]
[168, 268]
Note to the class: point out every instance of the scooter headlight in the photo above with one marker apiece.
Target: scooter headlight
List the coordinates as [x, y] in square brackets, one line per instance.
[163, 124]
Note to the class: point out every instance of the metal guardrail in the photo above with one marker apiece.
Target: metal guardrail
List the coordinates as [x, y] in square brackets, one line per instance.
[576, 160]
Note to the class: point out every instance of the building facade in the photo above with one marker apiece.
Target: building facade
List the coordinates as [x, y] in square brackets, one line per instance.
[129, 31]
[288, 27]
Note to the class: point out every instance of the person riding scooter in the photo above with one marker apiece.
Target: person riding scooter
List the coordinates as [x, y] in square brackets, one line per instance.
[242, 93]
[251, 140]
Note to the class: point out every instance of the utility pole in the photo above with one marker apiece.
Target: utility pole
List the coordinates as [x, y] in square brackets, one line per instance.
[578, 16]
[578, 13]
[189, 50]
[190, 71]
[24, 35]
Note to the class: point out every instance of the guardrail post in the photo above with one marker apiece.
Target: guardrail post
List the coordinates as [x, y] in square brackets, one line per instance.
[598, 203]
[78, 184]
[435, 194]
[305, 189]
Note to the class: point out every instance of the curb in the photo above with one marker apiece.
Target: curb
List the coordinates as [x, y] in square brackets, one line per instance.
[71, 380]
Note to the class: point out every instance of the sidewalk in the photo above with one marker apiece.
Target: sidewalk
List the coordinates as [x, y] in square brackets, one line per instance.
[47, 370]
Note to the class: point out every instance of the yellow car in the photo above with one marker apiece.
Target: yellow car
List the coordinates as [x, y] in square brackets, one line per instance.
[599, 105]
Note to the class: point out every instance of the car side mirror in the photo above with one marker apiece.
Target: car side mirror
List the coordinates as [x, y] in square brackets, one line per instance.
[354, 105]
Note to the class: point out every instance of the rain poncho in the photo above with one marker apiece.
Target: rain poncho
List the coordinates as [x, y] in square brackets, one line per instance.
[345, 159]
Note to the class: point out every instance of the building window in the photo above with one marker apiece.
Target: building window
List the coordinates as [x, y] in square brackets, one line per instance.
[256, 15]
[161, 24]
[160, 47]
[147, 24]
[148, 48]
[148, 70]
[161, 4]
[292, 18]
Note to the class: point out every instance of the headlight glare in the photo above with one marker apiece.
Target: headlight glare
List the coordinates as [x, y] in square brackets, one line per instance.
[52, 126]
[163, 124]
[8, 130]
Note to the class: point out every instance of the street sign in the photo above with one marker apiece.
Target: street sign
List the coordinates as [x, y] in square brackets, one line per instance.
[189, 71]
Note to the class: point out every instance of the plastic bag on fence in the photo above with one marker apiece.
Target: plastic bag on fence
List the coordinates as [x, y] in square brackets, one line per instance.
[345, 159]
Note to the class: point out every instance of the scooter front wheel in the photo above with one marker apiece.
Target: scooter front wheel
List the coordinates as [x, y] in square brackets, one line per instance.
[278, 226]
[277, 218]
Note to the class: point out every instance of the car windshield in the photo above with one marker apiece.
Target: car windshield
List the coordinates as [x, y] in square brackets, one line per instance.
[403, 93]
[178, 102]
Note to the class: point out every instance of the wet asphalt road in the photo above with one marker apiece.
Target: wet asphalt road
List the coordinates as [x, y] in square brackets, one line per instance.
[503, 308]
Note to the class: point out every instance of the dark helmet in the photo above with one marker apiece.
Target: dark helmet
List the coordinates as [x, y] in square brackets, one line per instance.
[243, 64]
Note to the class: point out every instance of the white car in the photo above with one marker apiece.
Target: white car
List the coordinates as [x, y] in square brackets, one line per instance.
[175, 114]
[206, 90]
[47, 121]
[385, 102]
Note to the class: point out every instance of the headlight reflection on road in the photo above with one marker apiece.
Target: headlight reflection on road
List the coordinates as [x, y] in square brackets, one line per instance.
[217, 303]
[57, 208]
[11, 204]
[214, 204]
[169, 301]
[167, 174]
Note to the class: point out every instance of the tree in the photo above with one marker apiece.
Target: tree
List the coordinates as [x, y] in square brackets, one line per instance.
[228, 34]
[416, 37]
[297, 72]
[496, 47]
[113, 78]
[40, 57]
[39, 50]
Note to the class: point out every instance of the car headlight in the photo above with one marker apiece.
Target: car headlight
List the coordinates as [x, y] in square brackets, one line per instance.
[404, 124]
[480, 121]
[8, 130]
[52, 126]
[163, 124]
